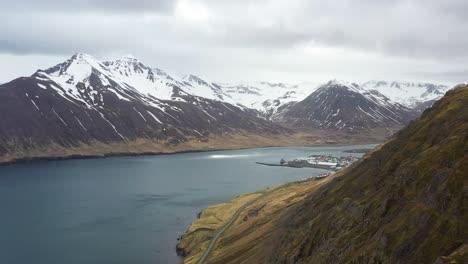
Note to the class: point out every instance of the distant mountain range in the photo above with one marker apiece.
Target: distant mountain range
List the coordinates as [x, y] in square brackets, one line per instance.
[83, 101]
[269, 97]
[337, 105]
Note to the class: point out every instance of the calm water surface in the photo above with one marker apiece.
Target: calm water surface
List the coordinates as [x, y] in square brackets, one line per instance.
[127, 209]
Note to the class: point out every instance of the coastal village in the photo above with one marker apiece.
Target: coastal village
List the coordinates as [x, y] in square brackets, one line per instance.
[326, 162]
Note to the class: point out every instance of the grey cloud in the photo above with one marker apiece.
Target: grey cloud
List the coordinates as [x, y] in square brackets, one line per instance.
[420, 29]
[452, 77]
[263, 33]
[104, 6]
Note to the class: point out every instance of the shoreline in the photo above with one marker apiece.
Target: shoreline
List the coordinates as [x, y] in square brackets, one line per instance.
[39, 159]
[210, 220]
[196, 242]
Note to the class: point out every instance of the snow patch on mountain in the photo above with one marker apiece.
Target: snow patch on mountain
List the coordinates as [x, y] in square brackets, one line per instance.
[407, 93]
[268, 97]
[83, 78]
[343, 105]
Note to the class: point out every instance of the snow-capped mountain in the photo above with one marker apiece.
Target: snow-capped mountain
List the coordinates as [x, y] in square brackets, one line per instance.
[409, 94]
[267, 97]
[127, 76]
[132, 76]
[84, 101]
[198, 86]
[345, 106]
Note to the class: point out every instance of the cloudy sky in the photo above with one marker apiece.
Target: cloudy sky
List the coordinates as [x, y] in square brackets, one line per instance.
[232, 40]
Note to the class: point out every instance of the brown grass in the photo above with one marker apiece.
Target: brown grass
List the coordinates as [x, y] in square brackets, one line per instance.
[251, 229]
[239, 140]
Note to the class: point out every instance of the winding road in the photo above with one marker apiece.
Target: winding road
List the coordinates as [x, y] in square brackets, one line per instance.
[225, 227]
[231, 221]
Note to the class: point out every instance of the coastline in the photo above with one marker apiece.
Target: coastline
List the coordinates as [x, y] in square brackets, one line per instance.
[143, 147]
[259, 209]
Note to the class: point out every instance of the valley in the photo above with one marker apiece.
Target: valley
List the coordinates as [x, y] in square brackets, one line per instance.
[87, 108]
[234, 132]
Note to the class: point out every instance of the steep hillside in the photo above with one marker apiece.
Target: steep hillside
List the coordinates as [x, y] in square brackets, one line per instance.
[406, 202]
[343, 106]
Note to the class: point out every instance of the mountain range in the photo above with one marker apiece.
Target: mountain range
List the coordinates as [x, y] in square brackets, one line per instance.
[345, 106]
[83, 102]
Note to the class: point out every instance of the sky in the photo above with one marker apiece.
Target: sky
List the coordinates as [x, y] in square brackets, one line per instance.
[245, 40]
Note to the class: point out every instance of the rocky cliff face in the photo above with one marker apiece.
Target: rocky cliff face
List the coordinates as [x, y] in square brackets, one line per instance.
[404, 203]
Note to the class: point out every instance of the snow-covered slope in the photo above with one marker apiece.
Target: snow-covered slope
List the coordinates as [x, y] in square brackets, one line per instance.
[407, 93]
[345, 106]
[84, 101]
[149, 81]
[201, 87]
[128, 76]
[268, 97]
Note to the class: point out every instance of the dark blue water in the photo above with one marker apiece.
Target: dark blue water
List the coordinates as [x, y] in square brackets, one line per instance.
[126, 209]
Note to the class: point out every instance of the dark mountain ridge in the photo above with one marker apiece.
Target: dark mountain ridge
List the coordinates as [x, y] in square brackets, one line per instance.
[342, 106]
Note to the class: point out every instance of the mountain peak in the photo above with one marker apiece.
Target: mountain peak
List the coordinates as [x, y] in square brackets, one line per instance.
[191, 77]
[79, 66]
[195, 79]
[125, 60]
[341, 84]
[82, 57]
[341, 105]
[128, 65]
[129, 57]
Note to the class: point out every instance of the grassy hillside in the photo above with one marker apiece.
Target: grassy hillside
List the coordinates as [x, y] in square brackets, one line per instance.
[244, 241]
[405, 202]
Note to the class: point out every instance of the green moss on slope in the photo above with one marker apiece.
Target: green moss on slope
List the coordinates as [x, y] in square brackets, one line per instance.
[405, 203]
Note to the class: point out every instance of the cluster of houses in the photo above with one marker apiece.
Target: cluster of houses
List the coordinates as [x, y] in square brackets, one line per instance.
[328, 162]
[332, 162]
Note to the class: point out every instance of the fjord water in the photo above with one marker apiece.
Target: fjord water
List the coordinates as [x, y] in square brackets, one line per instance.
[127, 209]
